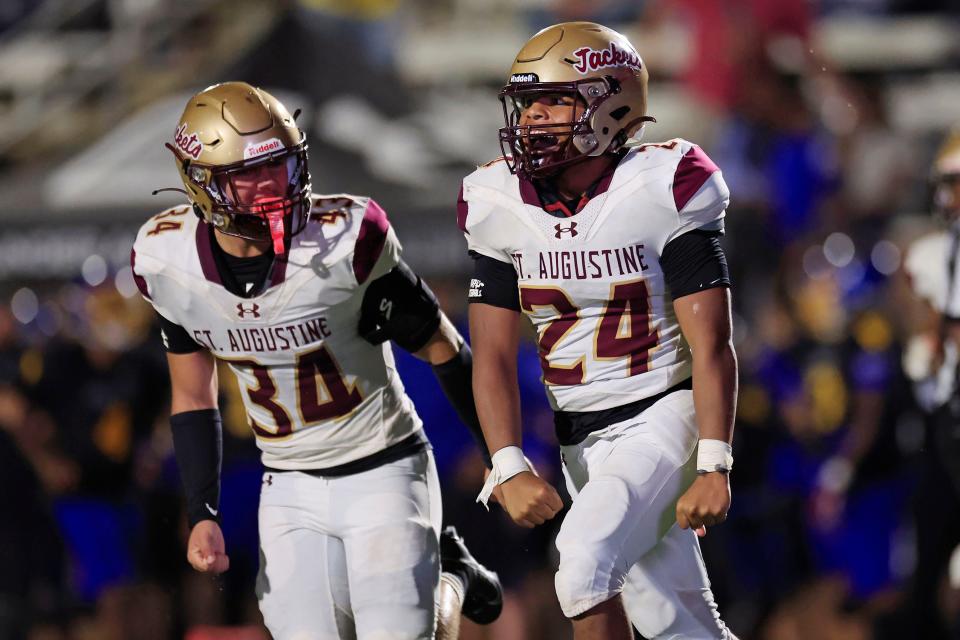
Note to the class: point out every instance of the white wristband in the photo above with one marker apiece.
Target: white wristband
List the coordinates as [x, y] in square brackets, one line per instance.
[714, 455]
[507, 462]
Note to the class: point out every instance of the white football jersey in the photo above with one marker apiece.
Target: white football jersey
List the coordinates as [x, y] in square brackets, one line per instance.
[591, 284]
[927, 264]
[316, 394]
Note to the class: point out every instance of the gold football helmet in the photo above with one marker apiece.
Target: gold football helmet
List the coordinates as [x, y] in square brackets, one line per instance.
[243, 162]
[590, 62]
[945, 176]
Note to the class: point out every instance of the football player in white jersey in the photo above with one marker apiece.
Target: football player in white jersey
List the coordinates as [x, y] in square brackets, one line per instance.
[932, 361]
[299, 294]
[610, 248]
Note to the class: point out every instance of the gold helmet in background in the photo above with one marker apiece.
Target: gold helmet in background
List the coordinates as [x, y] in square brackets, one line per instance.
[945, 175]
[232, 135]
[594, 64]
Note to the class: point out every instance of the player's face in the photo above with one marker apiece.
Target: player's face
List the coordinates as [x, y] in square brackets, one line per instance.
[551, 108]
[948, 196]
[265, 182]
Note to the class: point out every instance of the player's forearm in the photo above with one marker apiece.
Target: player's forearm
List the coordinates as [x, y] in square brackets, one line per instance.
[198, 446]
[498, 399]
[452, 363]
[715, 390]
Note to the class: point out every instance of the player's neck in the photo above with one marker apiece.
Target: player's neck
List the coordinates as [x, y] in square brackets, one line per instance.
[240, 247]
[574, 181]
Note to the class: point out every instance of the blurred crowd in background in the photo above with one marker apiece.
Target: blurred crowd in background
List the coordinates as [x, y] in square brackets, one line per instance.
[823, 115]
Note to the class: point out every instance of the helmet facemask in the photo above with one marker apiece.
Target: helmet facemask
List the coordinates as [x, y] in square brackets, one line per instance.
[261, 199]
[539, 150]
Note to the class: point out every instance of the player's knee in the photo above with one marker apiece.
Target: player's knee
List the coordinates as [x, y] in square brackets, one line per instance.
[586, 578]
[592, 567]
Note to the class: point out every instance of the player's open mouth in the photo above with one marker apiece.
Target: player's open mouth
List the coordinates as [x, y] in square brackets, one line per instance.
[541, 142]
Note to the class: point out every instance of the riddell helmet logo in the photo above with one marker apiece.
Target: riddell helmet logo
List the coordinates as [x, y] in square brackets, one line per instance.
[189, 144]
[524, 77]
[254, 310]
[256, 149]
[588, 59]
[572, 229]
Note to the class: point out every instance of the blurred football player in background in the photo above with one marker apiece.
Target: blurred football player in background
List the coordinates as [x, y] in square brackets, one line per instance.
[299, 294]
[611, 248]
[931, 360]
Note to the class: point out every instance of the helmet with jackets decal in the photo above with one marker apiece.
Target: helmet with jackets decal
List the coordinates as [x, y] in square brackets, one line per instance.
[595, 65]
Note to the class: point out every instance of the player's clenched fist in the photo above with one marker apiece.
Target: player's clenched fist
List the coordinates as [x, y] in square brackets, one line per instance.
[529, 499]
[205, 548]
[705, 503]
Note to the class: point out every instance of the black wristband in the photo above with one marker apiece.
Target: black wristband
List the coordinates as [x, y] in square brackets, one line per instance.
[198, 444]
[456, 379]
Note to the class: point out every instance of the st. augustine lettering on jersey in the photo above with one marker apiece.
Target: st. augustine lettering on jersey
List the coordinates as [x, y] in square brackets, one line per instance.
[257, 339]
[316, 394]
[595, 264]
[607, 332]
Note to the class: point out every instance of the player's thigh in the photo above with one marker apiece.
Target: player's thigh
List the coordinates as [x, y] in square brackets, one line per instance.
[667, 595]
[302, 585]
[392, 522]
[626, 482]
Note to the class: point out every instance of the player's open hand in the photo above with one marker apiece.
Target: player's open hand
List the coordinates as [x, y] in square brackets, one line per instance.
[206, 551]
[529, 499]
[705, 503]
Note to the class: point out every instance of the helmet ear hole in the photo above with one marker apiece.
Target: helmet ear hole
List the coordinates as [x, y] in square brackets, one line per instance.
[618, 113]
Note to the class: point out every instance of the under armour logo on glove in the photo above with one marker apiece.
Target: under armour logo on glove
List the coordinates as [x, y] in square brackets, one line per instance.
[253, 310]
[572, 229]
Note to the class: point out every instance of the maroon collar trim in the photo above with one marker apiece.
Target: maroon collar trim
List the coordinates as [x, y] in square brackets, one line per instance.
[208, 263]
[530, 195]
[204, 237]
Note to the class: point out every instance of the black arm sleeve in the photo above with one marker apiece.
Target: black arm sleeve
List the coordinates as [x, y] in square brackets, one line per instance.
[494, 283]
[198, 445]
[694, 262]
[399, 306]
[456, 379]
[175, 338]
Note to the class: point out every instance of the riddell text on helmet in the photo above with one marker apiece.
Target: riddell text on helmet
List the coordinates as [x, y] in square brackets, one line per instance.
[189, 144]
[588, 59]
[260, 148]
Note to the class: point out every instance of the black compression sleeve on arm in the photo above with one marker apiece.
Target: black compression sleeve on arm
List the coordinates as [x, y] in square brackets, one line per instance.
[494, 283]
[456, 379]
[694, 262]
[198, 444]
[399, 306]
[175, 338]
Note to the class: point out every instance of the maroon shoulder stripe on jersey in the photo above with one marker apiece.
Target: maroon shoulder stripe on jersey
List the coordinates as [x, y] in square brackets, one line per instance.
[370, 240]
[141, 283]
[694, 169]
[462, 211]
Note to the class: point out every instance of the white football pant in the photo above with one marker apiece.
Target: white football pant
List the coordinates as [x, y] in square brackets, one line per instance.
[354, 557]
[621, 534]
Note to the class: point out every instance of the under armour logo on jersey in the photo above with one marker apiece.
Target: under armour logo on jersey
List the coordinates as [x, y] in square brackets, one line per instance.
[572, 229]
[254, 310]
